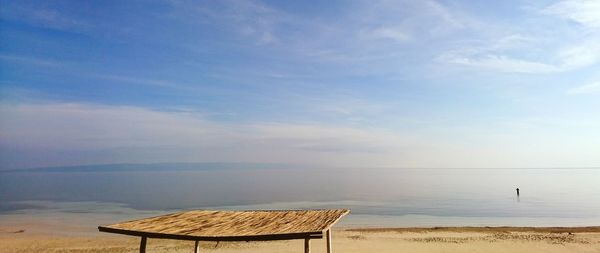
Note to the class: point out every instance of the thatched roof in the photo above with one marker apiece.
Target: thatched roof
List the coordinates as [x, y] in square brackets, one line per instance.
[232, 225]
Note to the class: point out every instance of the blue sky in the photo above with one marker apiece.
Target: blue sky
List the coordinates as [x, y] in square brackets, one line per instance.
[336, 83]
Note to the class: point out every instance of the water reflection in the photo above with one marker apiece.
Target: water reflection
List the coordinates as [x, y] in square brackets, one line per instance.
[372, 192]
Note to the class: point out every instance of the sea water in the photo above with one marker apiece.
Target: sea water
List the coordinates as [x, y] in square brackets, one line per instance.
[376, 197]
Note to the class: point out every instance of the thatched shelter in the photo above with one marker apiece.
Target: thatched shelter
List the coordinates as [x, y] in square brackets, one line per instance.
[210, 225]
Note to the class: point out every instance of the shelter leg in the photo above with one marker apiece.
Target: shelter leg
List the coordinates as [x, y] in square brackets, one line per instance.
[143, 245]
[307, 245]
[196, 247]
[329, 249]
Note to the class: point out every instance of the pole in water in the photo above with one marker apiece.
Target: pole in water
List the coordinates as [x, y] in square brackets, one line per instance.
[518, 192]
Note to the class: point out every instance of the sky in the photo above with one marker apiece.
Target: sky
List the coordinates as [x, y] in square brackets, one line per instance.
[436, 84]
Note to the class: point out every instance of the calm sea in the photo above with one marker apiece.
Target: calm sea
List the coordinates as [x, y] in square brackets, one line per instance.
[376, 197]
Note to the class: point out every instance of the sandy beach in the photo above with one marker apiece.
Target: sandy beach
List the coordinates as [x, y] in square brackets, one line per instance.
[445, 239]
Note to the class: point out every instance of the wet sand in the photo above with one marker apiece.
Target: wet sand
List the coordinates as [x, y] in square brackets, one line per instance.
[441, 239]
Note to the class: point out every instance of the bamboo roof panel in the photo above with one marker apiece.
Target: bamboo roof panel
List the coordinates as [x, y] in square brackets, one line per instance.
[231, 225]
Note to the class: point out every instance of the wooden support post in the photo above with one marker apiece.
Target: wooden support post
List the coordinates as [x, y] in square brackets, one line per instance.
[329, 248]
[143, 245]
[196, 247]
[307, 245]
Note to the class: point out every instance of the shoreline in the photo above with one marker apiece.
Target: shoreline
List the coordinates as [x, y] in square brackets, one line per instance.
[480, 229]
[15, 230]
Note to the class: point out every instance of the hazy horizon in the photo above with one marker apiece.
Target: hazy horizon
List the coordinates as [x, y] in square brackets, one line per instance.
[235, 165]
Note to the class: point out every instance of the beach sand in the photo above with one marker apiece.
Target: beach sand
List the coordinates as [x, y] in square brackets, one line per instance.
[451, 239]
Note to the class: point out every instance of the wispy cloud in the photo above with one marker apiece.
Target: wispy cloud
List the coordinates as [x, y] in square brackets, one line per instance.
[493, 55]
[585, 89]
[42, 15]
[386, 33]
[573, 57]
[377, 30]
[133, 134]
[547, 48]
[252, 19]
[30, 60]
[583, 12]
[47, 62]
[499, 63]
[66, 134]
[140, 81]
[450, 21]
[580, 55]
